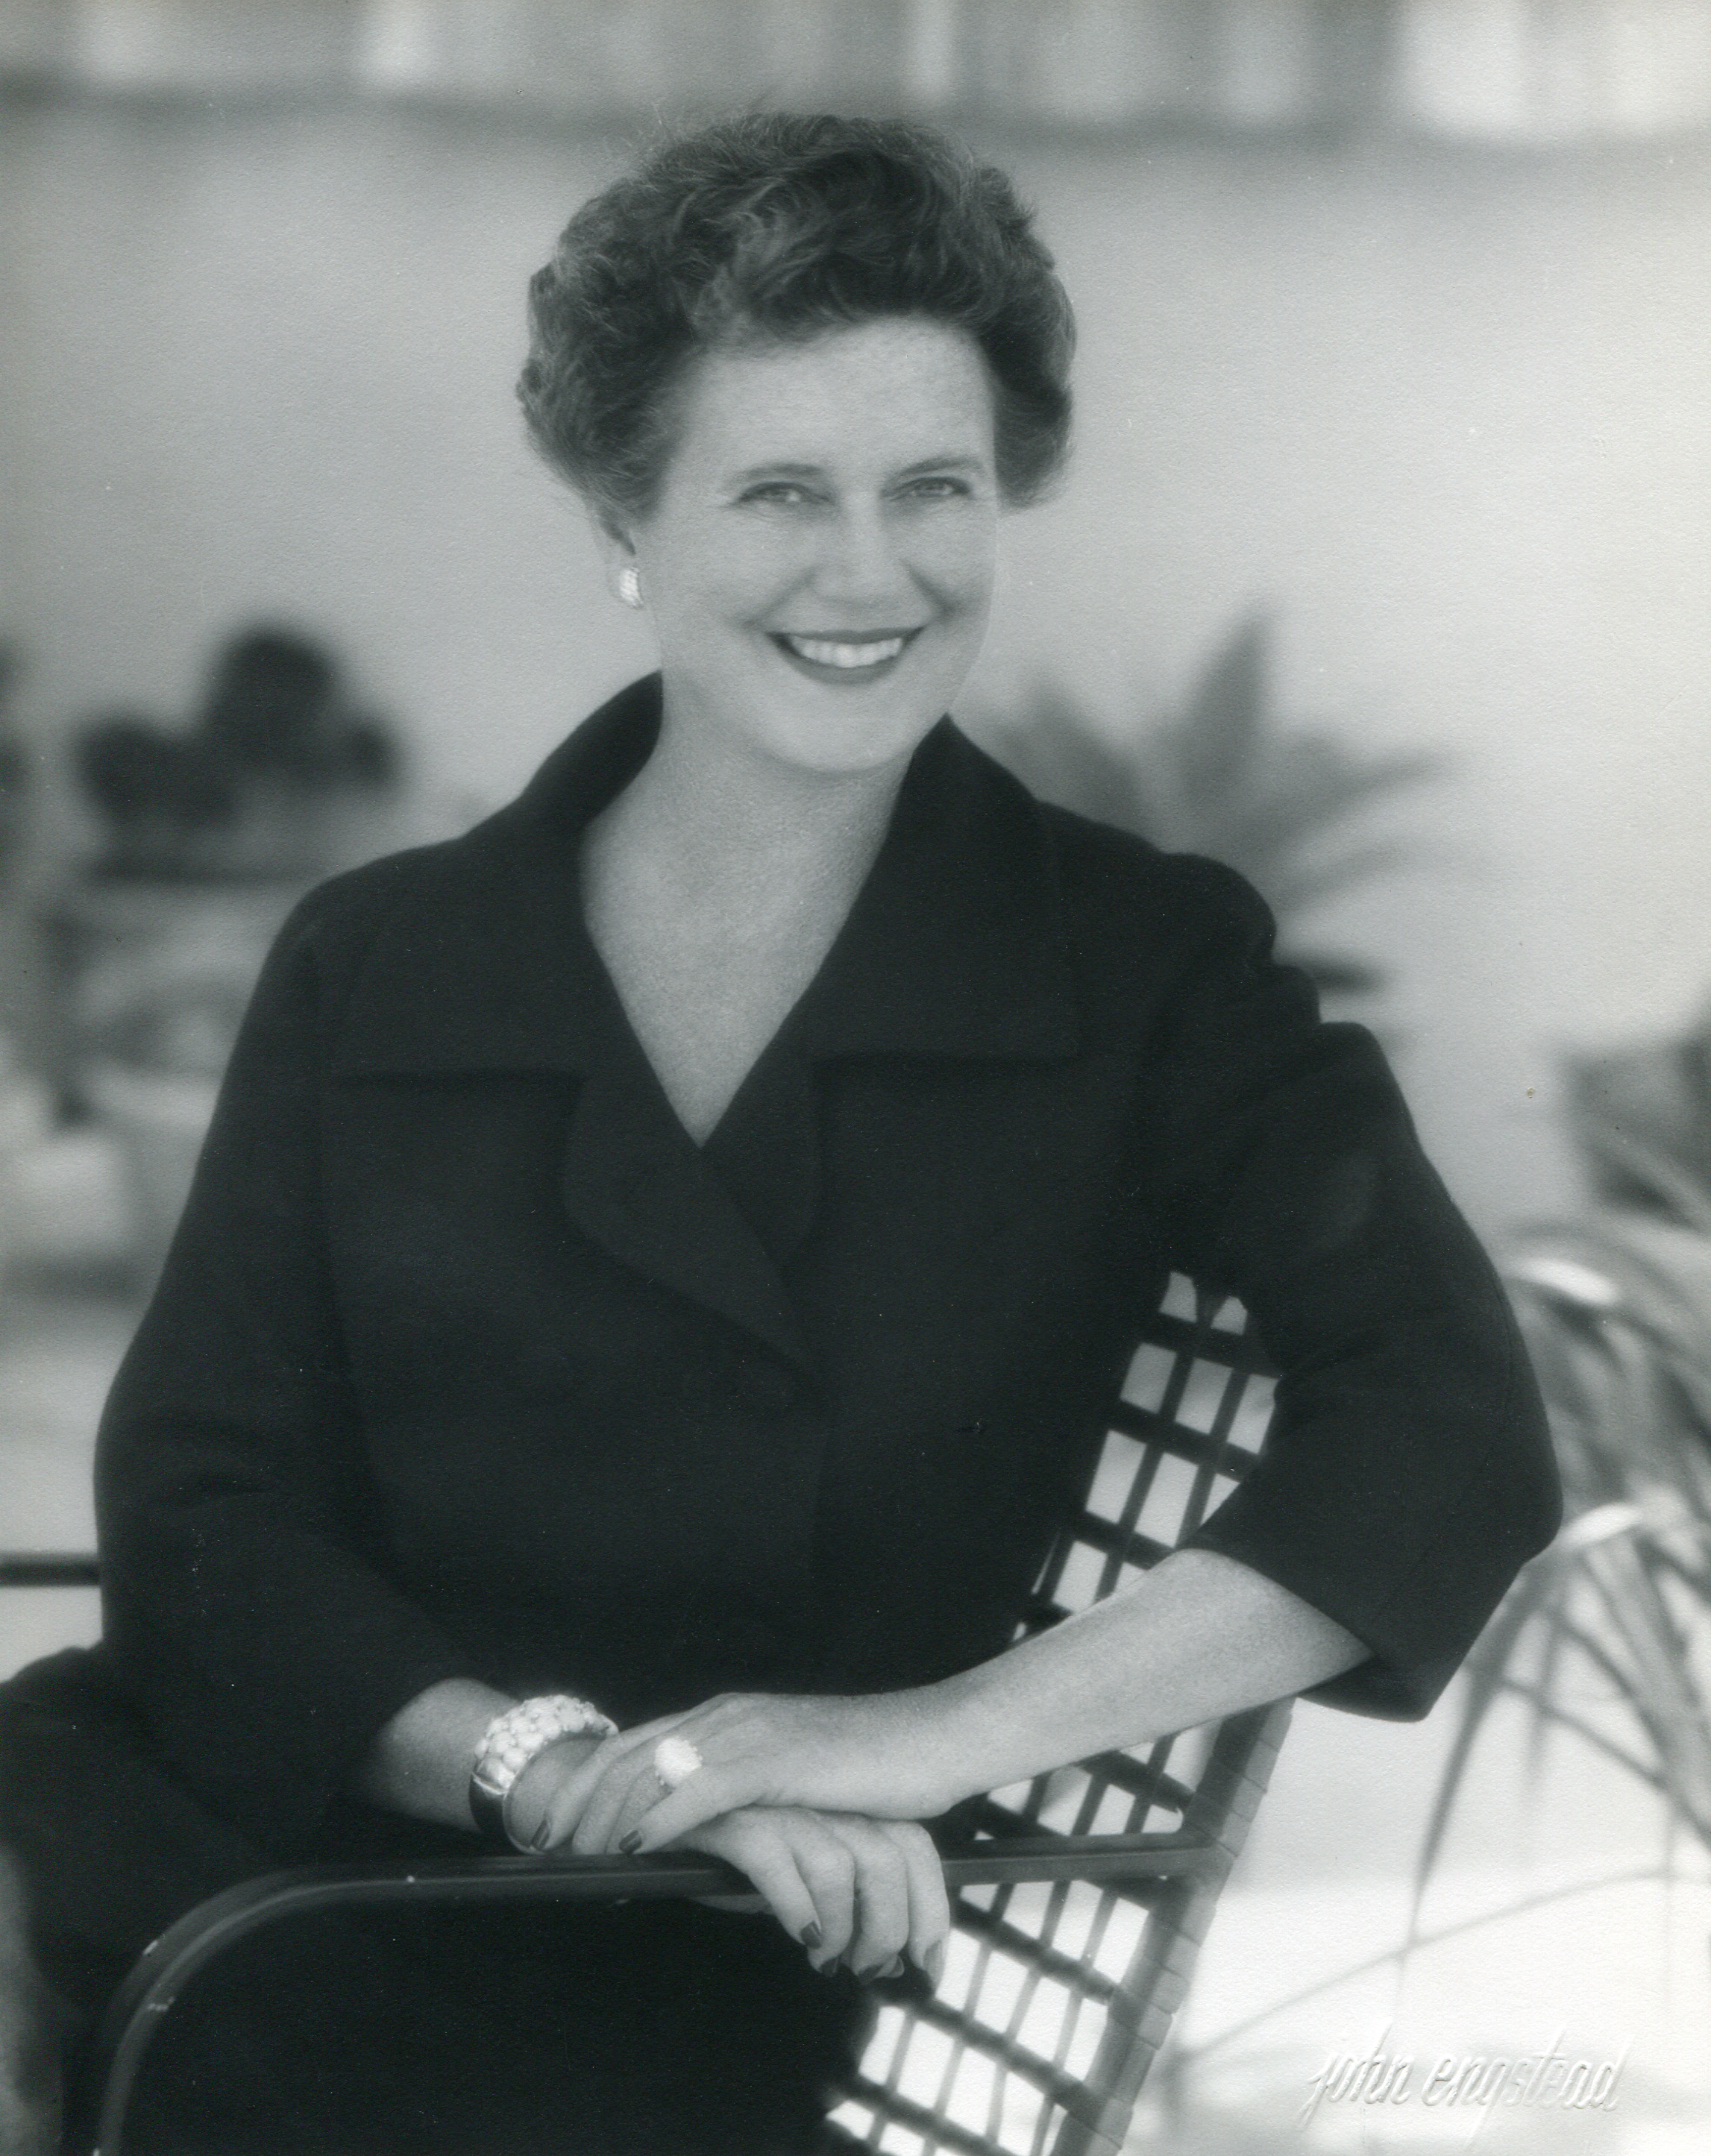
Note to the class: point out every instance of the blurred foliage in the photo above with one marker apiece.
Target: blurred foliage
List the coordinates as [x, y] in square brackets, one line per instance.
[242, 791]
[1222, 779]
[14, 768]
[1606, 1638]
[1608, 1635]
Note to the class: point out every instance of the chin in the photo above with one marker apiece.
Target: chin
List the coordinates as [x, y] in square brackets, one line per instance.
[841, 739]
[833, 728]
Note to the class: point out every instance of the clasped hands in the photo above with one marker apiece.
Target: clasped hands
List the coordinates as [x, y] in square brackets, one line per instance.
[815, 1800]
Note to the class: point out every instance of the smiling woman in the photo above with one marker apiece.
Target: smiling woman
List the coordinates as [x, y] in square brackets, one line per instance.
[829, 517]
[664, 1262]
[835, 505]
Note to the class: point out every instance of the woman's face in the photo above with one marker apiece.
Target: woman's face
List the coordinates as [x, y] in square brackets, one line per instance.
[819, 564]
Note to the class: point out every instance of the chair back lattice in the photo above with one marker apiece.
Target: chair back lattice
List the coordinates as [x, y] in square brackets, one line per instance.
[1057, 1994]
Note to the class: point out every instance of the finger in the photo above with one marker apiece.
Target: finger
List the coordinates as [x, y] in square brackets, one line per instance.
[627, 1788]
[580, 1786]
[929, 1899]
[564, 1804]
[529, 1801]
[568, 1801]
[767, 1859]
[612, 1769]
[630, 1789]
[882, 1895]
[697, 1798]
[827, 1867]
[643, 1793]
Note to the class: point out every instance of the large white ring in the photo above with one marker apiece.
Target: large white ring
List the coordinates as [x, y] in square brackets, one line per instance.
[676, 1759]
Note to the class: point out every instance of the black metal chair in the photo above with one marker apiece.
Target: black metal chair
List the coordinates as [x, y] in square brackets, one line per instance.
[1081, 1898]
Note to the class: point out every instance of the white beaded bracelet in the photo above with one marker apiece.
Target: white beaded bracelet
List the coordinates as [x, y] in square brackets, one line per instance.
[508, 1743]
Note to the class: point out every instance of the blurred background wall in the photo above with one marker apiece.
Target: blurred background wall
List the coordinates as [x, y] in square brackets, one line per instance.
[1393, 321]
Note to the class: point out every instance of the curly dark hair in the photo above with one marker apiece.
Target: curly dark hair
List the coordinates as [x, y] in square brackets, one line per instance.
[778, 227]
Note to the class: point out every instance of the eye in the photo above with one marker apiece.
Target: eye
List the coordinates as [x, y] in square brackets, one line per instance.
[937, 486]
[784, 493]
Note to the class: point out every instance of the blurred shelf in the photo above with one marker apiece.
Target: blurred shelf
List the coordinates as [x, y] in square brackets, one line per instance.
[58, 1355]
[1511, 70]
[58, 1350]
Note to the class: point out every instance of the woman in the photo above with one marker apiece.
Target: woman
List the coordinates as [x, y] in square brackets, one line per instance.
[675, 1249]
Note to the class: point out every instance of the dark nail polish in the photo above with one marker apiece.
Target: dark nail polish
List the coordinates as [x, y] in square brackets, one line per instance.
[811, 1936]
[868, 1975]
[541, 1835]
[826, 1967]
[631, 1842]
[894, 1967]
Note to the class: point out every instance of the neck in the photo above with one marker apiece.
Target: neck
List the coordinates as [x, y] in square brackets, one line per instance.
[715, 813]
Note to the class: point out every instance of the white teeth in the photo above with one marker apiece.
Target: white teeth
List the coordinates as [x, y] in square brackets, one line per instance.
[824, 651]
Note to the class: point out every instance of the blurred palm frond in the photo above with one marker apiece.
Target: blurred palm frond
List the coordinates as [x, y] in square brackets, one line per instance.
[15, 767]
[1607, 1636]
[1221, 779]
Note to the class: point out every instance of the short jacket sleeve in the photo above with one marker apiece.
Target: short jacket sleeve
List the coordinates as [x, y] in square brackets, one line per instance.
[245, 1611]
[1409, 1472]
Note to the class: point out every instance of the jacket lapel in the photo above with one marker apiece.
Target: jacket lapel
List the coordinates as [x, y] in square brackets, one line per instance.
[954, 947]
[766, 1147]
[488, 968]
[636, 1183]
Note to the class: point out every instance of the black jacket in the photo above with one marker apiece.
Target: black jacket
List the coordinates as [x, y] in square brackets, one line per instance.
[467, 1361]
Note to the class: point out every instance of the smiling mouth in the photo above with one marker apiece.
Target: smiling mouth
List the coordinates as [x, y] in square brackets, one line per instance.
[847, 655]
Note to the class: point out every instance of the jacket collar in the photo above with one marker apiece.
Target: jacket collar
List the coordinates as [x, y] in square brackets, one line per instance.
[956, 946]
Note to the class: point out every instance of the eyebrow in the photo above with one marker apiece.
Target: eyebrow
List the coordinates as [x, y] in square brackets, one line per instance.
[951, 461]
[776, 471]
[955, 462]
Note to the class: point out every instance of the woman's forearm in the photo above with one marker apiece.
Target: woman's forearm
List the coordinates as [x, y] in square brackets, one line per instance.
[420, 1762]
[1199, 1637]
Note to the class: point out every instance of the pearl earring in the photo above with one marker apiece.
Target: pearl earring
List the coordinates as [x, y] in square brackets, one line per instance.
[629, 588]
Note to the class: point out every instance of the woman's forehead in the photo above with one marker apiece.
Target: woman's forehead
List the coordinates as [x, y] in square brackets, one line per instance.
[902, 388]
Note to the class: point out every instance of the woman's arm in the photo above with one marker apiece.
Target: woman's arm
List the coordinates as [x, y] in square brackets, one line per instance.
[1199, 1637]
[850, 1889]
[420, 1762]
[248, 1609]
[1407, 1473]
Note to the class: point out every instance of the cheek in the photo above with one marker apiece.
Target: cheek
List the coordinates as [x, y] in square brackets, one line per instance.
[706, 572]
[745, 578]
[960, 563]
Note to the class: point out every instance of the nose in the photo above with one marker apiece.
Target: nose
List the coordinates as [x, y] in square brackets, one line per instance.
[861, 561]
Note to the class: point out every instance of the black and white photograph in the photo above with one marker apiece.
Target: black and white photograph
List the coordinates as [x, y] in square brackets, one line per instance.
[854, 1077]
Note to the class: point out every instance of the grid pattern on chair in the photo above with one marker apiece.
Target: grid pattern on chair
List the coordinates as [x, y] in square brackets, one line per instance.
[1055, 1996]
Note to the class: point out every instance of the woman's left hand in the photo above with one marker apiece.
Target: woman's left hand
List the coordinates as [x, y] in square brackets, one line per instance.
[883, 1754]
